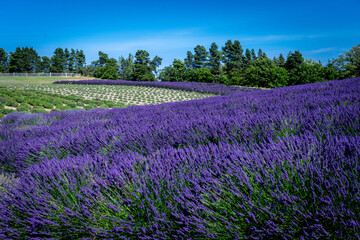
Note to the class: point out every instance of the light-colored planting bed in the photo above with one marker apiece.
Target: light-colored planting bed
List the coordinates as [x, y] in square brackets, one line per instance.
[129, 95]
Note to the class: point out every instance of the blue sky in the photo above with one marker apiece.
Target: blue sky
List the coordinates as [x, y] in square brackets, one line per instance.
[321, 30]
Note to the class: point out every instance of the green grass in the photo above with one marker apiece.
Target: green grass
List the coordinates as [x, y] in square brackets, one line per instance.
[36, 80]
[42, 102]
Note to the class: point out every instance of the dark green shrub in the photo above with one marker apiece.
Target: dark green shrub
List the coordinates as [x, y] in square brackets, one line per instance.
[90, 106]
[6, 111]
[47, 105]
[11, 103]
[38, 109]
[23, 107]
[72, 104]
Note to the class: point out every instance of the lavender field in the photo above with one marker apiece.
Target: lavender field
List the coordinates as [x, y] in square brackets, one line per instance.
[276, 164]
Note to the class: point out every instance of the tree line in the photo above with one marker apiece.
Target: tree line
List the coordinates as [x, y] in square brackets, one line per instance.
[229, 64]
[134, 68]
[234, 66]
[27, 60]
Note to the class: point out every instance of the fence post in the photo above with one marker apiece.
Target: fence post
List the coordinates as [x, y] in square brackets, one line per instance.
[50, 74]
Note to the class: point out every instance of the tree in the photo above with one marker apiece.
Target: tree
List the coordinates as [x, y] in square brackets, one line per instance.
[248, 57]
[105, 67]
[110, 70]
[143, 67]
[66, 59]
[281, 61]
[126, 66]
[45, 64]
[3, 61]
[103, 58]
[233, 56]
[293, 60]
[264, 73]
[88, 70]
[200, 57]
[71, 61]
[58, 61]
[214, 59]
[24, 60]
[353, 58]
[348, 63]
[200, 75]
[253, 55]
[155, 63]
[189, 60]
[311, 71]
[176, 72]
[80, 61]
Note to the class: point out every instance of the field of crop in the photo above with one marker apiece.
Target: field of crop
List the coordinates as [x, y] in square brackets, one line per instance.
[201, 87]
[36, 101]
[277, 164]
[121, 94]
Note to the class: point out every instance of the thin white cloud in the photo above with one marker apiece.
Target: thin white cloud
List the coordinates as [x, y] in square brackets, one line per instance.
[323, 50]
[276, 38]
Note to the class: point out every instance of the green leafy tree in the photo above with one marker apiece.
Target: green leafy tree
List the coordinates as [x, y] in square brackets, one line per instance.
[311, 71]
[253, 55]
[233, 56]
[58, 61]
[155, 63]
[281, 61]
[176, 72]
[214, 60]
[66, 59]
[24, 60]
[200, 57]
[353, 59]
[88, 70]
[110, 70]
[264, 73]
[200, 75]
[103, 58]
[80, 61]
[3, 61]
[248, 58]
[189, 60]
[71, 61]
[45, 64]
[293, 60]
[348, 63]
[105, 67]
[235, 78]
[144, 67]
[126, 66]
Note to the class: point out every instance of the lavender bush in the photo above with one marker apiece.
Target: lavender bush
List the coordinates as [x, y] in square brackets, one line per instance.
[214, 88]
[278, 164]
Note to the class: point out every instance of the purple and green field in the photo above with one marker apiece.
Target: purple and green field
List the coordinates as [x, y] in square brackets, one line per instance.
[275, 164]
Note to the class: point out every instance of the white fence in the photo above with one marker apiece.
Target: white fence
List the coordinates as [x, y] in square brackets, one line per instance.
[40, 74]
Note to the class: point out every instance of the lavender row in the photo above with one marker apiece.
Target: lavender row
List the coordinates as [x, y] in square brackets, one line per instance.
[277, 190]
[214, 88]
[279, 164]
